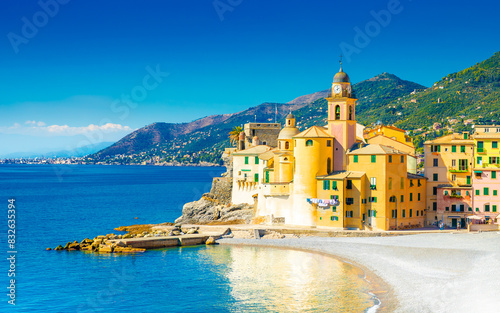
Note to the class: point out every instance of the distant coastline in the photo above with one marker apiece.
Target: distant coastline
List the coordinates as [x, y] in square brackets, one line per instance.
[69, 161]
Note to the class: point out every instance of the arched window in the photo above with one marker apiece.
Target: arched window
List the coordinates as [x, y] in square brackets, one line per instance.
[337, 112]
[309, 143]
[328, 166]
[350, 113]
[287, 145]
[289, 122]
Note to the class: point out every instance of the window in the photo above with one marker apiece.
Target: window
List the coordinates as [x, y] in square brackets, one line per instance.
[434, 191]
[462, 164]
[337, 112]
[334, 185]
[349, 201]
[309, 143]
[394, 213]
[466, 135]
[453, 163]
[486, 208]
[256, 177]
[468, 181]
[402, 198]
[411, 196]
[493, 174]
[246, 160]
[326, 185]
[374, 158]
[435, 162]
[390, 158]
[419, 184]
[404, 213]
[462, 149]
[446, 192]
[257, 159]
[390, 183]
[328, 143]
[486, 191]
[355, 159]
[479, 161]
[435, 177]
[480, 146]
[418, 197]
[334, 218]
[349, 184]
[453, 177]
[477, 209]
[372, 199]
[417, 212]
[402, 183]
[495, 192]
[462, 208]
[411, 183]
[494, 144]
[350, 113]
[411, 213]
[373, 183]
[494, 208]
[328, 165]
[287, 145]
[494, 160]
[447, 208]
[453, 208]
[453, 148]
[477, 192]
[402, 159]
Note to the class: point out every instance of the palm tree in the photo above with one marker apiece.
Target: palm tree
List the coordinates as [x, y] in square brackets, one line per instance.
[234, 135]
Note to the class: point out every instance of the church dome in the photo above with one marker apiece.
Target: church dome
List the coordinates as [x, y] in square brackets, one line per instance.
[290, 115]
[288, 133]
[341, 77]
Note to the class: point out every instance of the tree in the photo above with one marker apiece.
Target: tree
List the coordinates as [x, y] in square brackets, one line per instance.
[234, 135]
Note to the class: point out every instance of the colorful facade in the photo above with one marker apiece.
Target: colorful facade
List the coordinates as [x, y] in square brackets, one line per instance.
[486, 185]
[461, 171]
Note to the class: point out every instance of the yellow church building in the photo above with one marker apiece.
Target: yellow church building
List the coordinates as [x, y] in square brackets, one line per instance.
[330, 176]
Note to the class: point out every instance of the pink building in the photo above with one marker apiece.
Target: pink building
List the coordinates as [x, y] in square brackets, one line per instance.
[486, 200]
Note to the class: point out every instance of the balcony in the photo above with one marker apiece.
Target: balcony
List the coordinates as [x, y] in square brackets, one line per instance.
[458, 170]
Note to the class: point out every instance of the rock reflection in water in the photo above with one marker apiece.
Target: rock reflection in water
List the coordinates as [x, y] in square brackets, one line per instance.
[279, 280]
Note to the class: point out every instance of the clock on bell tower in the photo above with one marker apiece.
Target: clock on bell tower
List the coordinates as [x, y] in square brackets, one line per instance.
[341, 118]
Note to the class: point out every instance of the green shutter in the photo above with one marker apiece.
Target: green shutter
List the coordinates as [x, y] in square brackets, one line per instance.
[477, 192]
[495, 192]
[246, 160]
[256, 160]
[374, 158]
[462, 149]
[267, 177]
[439, 148]
[355, 159]
[256, 176]
[493, 174]
[411, 196]
[334, 185]
[486, 191]
[453, 148]
[494, 207]
[468, 180]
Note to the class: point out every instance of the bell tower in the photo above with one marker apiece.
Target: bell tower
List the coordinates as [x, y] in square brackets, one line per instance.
[341, 118]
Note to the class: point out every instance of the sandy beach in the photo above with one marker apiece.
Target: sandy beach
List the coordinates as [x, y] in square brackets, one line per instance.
[433, 272]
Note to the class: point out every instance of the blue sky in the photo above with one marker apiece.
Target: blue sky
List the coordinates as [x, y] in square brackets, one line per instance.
[100, 69]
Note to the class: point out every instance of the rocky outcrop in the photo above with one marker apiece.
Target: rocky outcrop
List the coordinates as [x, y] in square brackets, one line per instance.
[209, 209]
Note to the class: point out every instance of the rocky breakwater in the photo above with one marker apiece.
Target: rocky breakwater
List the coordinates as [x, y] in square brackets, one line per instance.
[101, 244]
[211, 210]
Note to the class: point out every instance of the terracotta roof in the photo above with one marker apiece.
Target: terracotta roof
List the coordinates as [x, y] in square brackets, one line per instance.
[314, 132]
[448, 139]
[373, 149]
[342, 175]
[415, 176]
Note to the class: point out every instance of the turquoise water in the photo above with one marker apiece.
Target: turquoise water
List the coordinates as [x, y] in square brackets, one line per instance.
[56, 204]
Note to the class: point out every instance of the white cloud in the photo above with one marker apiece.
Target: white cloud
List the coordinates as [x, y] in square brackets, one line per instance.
[39, 128]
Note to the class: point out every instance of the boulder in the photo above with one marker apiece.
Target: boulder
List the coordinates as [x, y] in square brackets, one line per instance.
[67, 246]
[192, 231]
[206, 210]
[210, 241]
[48, 249]
[58, 248]
[86, 241]
[105, 248]
[74, 246]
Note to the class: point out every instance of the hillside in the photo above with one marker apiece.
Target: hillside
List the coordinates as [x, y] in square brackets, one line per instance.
[473, 93]
[203, 140]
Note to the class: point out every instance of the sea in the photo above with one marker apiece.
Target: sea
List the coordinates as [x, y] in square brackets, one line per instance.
[55, 204]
